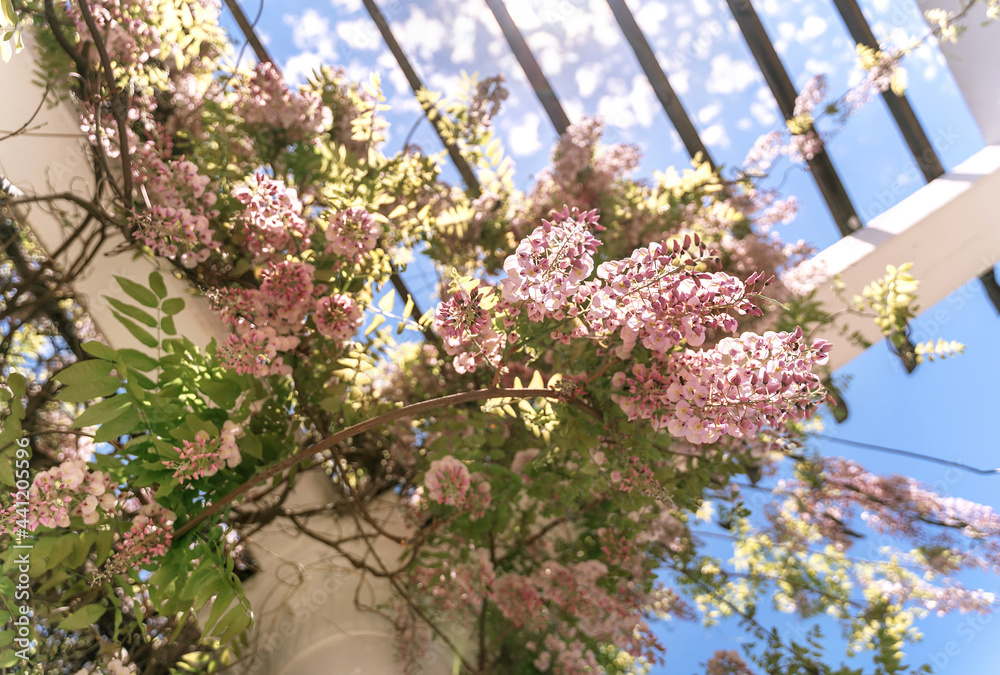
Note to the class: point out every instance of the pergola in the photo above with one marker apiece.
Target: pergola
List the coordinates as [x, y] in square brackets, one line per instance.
[946, 229]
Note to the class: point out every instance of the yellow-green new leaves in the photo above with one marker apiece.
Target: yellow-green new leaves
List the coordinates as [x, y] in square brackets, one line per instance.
[892, 298]
[10, 36]
[83, 617]
[942, 349]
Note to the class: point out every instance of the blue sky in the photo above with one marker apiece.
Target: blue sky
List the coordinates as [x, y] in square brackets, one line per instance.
[942, 409]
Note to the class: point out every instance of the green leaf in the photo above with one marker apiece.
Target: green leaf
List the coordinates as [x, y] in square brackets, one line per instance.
[168, 325]
[84, 372]
[157, 284]
[131, 310]
[173, 306]
[8, 12]
[103, 412]
[224, 392]
[121, 425]
[80, 393]
[6, 472]
[139, 293]
[222, 601]
[17, 382]
[250, 445]
[104, 540]
[9, 658]
[83, 617]
[101, 351]
[141, 334]
[133, 358]
[7, 636]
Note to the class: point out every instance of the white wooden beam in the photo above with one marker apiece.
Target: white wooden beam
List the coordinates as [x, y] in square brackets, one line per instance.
[947, 229]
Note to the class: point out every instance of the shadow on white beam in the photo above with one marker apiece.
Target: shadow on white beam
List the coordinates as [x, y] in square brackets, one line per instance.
[948, 229]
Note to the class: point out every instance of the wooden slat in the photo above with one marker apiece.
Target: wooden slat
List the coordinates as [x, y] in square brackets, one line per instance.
[822, 169]
[658, 80]
[543, 90]
[909, 126]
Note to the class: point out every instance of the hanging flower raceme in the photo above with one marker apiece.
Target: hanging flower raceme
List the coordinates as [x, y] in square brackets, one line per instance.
[267, 104]
[352, 233]
[552, 263]
[205, 455]
[148, 537]
[650, 298]
[739, 387]
[272, 221]
[466, 328]
[66, 491]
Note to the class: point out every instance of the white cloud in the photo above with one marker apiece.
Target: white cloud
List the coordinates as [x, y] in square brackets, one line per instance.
[812, 28]
[622, 107]
[730, 76]
[524, 136]
[765, 114]
[650, 16]
[818, 67]
[359, 34]
[575, 109]
[298, 68]
[715, 135]
[702, 7]
[548, 50]
[708, 113]
[421, 34]
[346, 5]
[311, 34]
[463, 40]
[744, 124]
[680, 81]
[588, 77]
[310, 30]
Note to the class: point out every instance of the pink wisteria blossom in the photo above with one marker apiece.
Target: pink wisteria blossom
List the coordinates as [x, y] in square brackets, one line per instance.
[69, 490]
[737, 388]
[272, 221]
[338, 317]
[352, 233]
[447, 481]
[551, 264]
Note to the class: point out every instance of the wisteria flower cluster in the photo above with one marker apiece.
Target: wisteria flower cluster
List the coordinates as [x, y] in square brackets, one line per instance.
[352, 233]
[147, 538]
[266, 103]
[272, 221]
[205, 455]
[551, 264]
[736, 388]
[70, 490]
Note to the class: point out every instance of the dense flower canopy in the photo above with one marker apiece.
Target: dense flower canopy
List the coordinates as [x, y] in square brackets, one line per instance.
[605, 364]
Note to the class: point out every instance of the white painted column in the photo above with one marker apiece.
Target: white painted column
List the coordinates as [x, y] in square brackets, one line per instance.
[52, 156]
[316, 614]
[975, 62]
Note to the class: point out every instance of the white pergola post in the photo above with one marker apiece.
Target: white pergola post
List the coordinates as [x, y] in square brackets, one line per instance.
[51, 156]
